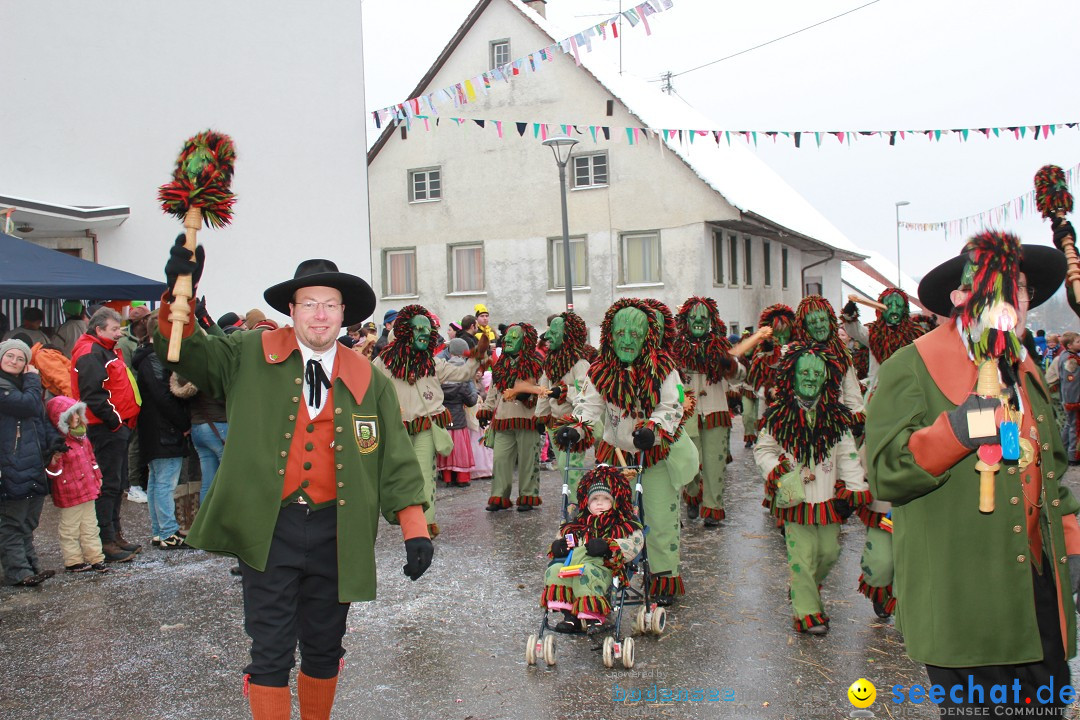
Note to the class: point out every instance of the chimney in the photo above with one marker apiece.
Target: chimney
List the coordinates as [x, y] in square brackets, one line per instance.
[537, 6]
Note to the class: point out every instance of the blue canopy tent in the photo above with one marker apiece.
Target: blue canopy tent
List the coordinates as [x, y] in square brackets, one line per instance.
[33, 275]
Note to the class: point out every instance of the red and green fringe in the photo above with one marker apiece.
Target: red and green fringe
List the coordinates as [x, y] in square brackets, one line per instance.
[621, 521]
[692, 499]
[500, 424]
[584, 430]
[782, 468]
[559, 362]
[870, 518]
[1052, 195]
[996, 257]
[500, 501]
[532, 500]
[762, 373]
[595, 604]
[747, 393]
[418, 425]
[664, 320]
[777, 314]
[605, 453]
[709, 356]
[855, 498]
[484, 414]
[556, 593]
[666, 585]
[886, 339]
[714, 513]
[202, 179]
[860, 358]
[720, 418]
[639, 383]
[882, 595]
[525, 365]
[804, 623]
[822, 513]
[400, 357]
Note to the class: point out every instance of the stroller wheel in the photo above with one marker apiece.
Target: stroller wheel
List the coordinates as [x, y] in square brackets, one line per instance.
[628, 652]
[609, 652]
[530, 650]
[639, 620]
[549, 649]
[658, 621]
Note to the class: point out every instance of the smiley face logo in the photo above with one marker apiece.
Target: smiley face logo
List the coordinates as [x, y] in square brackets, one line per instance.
[862, 693]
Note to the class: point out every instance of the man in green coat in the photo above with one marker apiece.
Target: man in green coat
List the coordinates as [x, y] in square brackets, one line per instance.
[317, 450]
[984, 597]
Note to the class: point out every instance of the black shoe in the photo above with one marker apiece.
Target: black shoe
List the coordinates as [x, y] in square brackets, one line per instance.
[664, 600]
[77, 567]
[30, 581]
[114, 553]
[748, 444]
[1074, 462]
[127, 545]
[880, 611]
[569, 624]
[175, 542]
[692, 511]
[99, 567]
[235, 570]
[494, 507]
[524, 508]
[711, 522]
[46, 574]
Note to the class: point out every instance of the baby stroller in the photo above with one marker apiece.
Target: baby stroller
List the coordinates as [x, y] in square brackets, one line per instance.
[630, 594]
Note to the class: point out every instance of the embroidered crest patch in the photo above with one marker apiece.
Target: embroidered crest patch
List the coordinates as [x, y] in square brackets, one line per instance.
[366, 430]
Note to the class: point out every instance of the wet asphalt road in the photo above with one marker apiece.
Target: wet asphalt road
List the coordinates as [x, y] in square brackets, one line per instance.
[162, 637]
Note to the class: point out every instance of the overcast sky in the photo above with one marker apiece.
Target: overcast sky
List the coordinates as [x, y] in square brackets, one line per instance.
[895, 64]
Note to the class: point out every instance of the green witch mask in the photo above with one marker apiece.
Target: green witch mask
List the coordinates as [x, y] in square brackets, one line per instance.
[513, 340]
[817, 325]
[809, 377]
[698, 321]
[895, 307]
[628, 330]
[421, 332]
[556, 332]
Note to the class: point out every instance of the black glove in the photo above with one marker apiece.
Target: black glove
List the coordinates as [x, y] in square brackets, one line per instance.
[418, 554]
[559, 548]
[850, 310]
[1061, 231]
[842, 507]
[958, 421]
[567, 436]
[541, 427]
[556, 392]
[644, 438]
[205, 321]
[598, 547]
[735, 405]
[857, 429]
[181, 263]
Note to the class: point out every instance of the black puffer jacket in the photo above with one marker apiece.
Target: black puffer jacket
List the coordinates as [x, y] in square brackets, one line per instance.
[27, 438]
[164, 417]
[456, 397]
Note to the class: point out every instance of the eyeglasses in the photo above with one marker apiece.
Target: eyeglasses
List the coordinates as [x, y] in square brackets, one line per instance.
[1023, 292]
[329, 307]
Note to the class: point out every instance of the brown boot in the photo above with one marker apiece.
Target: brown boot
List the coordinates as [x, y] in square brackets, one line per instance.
[316, 696]
[269, 703]
[127, 544]
[114, 553]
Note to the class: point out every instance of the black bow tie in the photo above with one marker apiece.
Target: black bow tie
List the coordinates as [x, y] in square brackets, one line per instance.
[316, 380]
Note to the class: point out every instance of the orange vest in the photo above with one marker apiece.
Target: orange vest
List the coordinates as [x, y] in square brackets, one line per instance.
[311, 455]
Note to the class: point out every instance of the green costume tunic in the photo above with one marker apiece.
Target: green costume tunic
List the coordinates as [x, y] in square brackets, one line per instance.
[260, 375]
[963, 578]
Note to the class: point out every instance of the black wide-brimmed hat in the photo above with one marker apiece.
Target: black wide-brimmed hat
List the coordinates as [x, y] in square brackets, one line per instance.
[1044, 267]
[357, 295]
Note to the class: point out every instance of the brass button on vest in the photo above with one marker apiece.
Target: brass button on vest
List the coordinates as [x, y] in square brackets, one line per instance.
[1016, 528]
[1020, 558]
[284, 453]
[296, 399]
[288, 436]
[339, 466]
[341, 484]
[337, 411]
[298, 381]
[292, 418]
[337, 429]
[280, 472]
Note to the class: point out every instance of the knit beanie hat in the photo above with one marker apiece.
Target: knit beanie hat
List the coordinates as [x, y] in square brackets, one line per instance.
[457, 347]
[599, 486]
[14, 344]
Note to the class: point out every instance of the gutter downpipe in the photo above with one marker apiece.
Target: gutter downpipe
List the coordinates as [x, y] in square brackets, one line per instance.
[802, 275]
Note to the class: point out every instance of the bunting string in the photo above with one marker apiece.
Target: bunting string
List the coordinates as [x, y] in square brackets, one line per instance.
[996, 217]
[464, 92]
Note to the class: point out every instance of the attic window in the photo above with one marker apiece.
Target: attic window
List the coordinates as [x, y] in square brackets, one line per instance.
[610, 108]
[590, 170]
[500, 52]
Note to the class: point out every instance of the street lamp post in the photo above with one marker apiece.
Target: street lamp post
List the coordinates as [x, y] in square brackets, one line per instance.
[561, 147]
[899, 204]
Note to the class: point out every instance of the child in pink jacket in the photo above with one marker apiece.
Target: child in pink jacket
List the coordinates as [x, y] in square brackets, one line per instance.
[76, 484]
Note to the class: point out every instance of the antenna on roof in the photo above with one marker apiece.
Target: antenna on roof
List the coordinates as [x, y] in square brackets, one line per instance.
[667, 86]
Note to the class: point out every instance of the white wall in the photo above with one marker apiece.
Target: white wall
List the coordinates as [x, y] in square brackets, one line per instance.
[99, 97]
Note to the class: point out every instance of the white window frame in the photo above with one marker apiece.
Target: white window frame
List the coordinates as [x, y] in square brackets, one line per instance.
[591, 159]
[556, 263]
[427, 172]
[451, 264]
[388, 291]
[494, 55]
[657, 277]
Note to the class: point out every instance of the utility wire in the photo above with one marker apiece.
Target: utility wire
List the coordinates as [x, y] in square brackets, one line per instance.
[770, 42]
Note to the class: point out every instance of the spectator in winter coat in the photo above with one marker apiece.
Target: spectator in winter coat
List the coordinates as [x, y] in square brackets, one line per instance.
[69, 331]
[456, 468]
[209, 427]
[27, 440]
[76, 483]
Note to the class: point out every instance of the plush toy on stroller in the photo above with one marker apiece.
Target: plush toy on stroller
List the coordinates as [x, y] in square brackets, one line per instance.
[592, 563]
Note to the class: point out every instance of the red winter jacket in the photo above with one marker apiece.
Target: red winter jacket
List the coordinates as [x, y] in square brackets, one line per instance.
[75, 477]
[100, 378]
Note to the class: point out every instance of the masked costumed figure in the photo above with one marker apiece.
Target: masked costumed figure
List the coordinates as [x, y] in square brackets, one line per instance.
[892, 330]
[960, 437]
[417, 376]
[605, 536]
[634, 389]
[565, 369]
[510, 409]
[761, 375]
[703, 354]
[813, 475]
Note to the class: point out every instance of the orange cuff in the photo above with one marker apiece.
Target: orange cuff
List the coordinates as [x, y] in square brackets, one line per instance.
[413, 523]
[936, 448]
[165, 326]
[1072, 534]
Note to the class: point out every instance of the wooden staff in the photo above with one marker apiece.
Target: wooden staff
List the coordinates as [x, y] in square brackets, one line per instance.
[867, 302]
[199, 192]
[989, 386]
[1054, 200]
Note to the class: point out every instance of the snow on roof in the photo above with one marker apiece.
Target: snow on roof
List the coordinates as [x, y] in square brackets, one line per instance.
[858, 281]
[743, 179]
